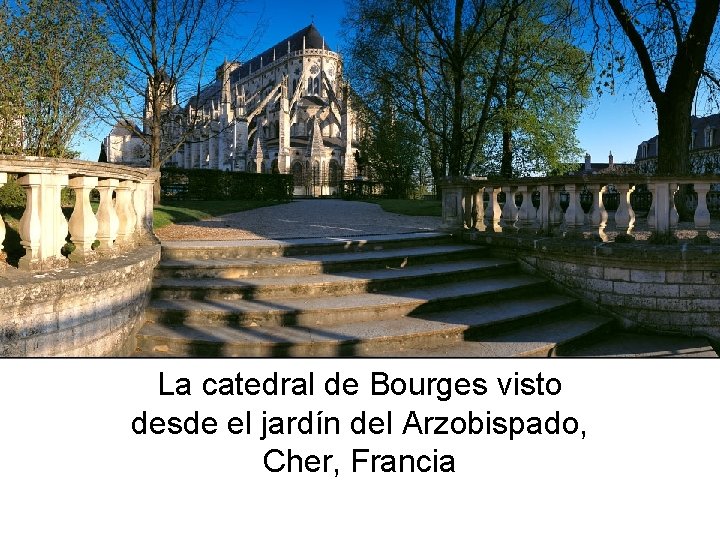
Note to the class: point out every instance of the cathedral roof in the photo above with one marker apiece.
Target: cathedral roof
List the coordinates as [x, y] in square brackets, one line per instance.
[313, 40]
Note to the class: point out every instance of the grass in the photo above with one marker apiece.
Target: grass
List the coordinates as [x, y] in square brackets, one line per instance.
[186, 211]
[409, 207]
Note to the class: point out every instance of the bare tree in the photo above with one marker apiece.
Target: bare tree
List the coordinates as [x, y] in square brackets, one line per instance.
[670, 40]
[166, 46]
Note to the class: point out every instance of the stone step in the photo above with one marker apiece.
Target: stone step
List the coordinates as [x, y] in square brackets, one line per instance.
[234, 249]
[314, 263]
[329, 310]
[642, 345]
[539, 340]
[354, 339]
[339, 284]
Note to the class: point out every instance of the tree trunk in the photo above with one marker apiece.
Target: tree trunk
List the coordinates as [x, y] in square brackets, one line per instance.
[506, 170]
[674, 135]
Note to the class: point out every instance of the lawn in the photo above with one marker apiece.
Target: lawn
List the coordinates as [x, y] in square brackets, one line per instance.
[184, 211]
[409, 207]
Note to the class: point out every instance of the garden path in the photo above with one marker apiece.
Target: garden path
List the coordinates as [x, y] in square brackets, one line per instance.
[301, 218]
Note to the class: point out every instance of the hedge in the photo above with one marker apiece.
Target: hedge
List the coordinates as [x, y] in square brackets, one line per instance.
[211, 184]
[12, 195]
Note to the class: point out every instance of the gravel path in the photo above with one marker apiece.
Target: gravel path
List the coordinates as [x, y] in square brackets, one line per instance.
[303, 218]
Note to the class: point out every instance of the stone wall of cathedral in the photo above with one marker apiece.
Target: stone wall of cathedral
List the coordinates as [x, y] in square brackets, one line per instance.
[286, 110]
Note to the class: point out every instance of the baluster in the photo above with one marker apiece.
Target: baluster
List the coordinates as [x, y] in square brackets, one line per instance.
[43, 227]
[29, 226]
[494, 211]
[125, 212]
[83, 224]
[702, 214]
[574, 215]
[509, 211]
[479, 209]
[107, 218]
[594, 216]
[138, 202]
[3, 180]
[525, 217]
[602, 215]
[625, 216]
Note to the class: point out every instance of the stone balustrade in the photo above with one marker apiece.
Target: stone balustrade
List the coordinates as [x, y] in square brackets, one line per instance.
[86, 298]
[615, 242]
[575, 207]
[123, 219]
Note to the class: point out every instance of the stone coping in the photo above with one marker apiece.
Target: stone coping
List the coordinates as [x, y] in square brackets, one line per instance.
[77, 278]
[76, 167]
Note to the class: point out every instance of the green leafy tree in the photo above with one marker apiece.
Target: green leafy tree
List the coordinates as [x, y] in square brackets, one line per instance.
[543, 83]
[393, 149]
[465, 72]
[55, 66]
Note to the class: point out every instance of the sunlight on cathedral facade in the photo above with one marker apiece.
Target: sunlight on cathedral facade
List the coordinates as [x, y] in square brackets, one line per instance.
[286, 110]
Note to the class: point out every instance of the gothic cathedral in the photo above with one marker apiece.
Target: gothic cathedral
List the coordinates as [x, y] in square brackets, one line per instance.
[287, 110]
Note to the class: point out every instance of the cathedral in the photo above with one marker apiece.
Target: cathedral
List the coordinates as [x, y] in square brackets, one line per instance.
[286, 110]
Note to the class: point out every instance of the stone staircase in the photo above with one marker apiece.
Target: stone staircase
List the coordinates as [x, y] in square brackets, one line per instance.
[419, 294]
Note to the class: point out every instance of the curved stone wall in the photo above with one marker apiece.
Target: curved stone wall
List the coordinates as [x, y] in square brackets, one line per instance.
[669, 289]
[79, 311]
[82, 285]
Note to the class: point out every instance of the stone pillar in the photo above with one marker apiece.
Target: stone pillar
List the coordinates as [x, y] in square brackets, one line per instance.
[457, 201]
[125, 212]
[555, 214]
[83, 224]
[665, 215]
[702, 214]
[108, 222]
[598, 215]
[478, 211]
[43, 227]
[651, 221]
[221, 148]
[212, 152]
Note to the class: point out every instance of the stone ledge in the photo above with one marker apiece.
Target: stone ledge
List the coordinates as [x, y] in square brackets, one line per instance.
[89, 310]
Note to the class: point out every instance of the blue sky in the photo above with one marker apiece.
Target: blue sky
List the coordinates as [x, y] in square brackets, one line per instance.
[616, 123]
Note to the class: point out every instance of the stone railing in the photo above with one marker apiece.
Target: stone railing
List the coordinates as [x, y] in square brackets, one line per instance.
[76, 286]
[120, 223]
[615, 242]
[643, 207]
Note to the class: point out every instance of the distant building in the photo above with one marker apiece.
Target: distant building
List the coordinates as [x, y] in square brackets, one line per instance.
[704, 147]
[287, 110]
[609, 167]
